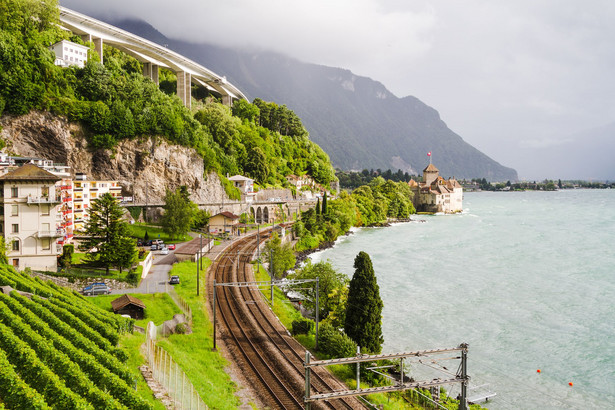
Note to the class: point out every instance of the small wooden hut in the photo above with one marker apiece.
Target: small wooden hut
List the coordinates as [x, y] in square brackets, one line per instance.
[129, 305]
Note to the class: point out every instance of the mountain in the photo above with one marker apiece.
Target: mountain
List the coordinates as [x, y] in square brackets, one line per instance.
[355, 119]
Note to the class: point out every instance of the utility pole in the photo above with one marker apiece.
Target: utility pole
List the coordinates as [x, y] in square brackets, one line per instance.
[317, 309]
[201, 250]
[197, 272]
[463, 405]
[214, 302]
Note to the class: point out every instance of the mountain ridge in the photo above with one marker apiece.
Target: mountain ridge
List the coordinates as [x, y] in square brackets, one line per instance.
[355, 119]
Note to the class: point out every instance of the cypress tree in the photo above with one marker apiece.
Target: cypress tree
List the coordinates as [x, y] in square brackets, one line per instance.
[364, 307]
[324, 204]
[318, 207]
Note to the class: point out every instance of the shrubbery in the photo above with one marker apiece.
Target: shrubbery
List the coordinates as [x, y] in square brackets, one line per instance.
[302, 326]
[335, 343]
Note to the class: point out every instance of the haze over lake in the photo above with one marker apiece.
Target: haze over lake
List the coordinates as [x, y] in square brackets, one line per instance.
[526, 278]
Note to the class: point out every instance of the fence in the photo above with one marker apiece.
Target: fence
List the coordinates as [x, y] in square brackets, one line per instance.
[181, 303]
[166, 372]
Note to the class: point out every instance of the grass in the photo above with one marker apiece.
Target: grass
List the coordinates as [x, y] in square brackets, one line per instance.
[131, 344]
[193, 352]
[159, 306]
[138, 230]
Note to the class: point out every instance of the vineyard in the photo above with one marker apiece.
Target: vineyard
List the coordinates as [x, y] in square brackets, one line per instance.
[57, 350]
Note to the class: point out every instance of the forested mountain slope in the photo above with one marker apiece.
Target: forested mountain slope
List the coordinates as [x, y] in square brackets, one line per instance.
[115, 103]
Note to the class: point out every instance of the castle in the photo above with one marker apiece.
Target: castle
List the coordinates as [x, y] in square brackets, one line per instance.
[436, 194]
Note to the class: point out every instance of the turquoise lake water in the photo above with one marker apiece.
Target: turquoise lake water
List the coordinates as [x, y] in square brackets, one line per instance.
[527, 279]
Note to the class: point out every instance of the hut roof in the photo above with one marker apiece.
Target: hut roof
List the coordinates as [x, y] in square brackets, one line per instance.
[126, 300]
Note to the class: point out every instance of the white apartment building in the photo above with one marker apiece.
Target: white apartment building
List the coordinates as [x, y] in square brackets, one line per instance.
[84, 191]
[245, 185]
[28, 217]
[69, 53]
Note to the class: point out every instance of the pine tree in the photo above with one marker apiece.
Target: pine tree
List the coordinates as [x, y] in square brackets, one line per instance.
[108, 242]
[364, 307]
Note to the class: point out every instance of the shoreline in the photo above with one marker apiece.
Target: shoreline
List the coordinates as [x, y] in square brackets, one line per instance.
[301, 256]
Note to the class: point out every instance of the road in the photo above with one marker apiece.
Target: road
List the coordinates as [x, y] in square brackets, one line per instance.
[157, 279]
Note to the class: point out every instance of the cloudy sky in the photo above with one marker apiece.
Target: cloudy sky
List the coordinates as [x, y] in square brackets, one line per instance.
[511, 77]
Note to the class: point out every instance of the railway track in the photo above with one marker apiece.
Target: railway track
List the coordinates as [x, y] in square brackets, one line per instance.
[269, 357]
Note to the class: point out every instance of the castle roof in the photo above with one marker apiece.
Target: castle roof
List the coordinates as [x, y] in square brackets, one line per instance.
[431, 168]
[412, 183]
[452, 183]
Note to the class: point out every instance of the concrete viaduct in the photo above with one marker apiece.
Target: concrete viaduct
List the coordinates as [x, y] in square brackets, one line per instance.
[152, 55]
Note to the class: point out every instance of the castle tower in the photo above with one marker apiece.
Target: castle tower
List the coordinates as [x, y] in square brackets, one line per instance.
[430, 174]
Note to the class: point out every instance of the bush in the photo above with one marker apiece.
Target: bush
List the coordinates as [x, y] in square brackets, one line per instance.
[181, 328]
[302, 327]
[335, 343]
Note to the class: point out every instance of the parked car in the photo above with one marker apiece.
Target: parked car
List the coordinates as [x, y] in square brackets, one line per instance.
[171, 247]
[154, 247]
[97, 290]
[91, 285]
[174, 280]
[164, 251]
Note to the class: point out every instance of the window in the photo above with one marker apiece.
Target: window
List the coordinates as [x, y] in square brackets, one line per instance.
[15, 244]
[46, 243]
[16, 263]
[45, 209]
[14, 192]
[45, 191]
[14, 210]
[93, 194]
[45, 227]
[15, 228]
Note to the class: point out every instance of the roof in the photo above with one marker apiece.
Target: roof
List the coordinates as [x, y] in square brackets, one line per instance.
[29, 172]
[431, 168]
[228, 215]
[413, 183]
[192, 247]
[239, 178]
[452, 183]
[126, 300]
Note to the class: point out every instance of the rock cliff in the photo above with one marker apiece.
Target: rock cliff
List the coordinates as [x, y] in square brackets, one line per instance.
[145, 168]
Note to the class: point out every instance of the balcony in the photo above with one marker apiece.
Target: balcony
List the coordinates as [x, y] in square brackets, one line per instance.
[43, 200]
[50, 234]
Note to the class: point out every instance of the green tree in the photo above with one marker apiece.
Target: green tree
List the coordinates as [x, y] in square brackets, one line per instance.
[329, 281]
[65, 260]
[364, 307]
[324, 204]
[178, 213]
[280, 256]
[107, 234]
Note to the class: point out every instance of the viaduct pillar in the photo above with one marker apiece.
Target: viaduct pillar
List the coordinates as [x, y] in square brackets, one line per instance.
[184, 83]
[151, 71]
[98, 46]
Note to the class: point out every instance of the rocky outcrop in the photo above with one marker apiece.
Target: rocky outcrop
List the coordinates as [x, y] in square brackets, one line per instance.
[145, 167]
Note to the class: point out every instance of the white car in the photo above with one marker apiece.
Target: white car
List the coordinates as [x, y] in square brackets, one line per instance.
[164, 251]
